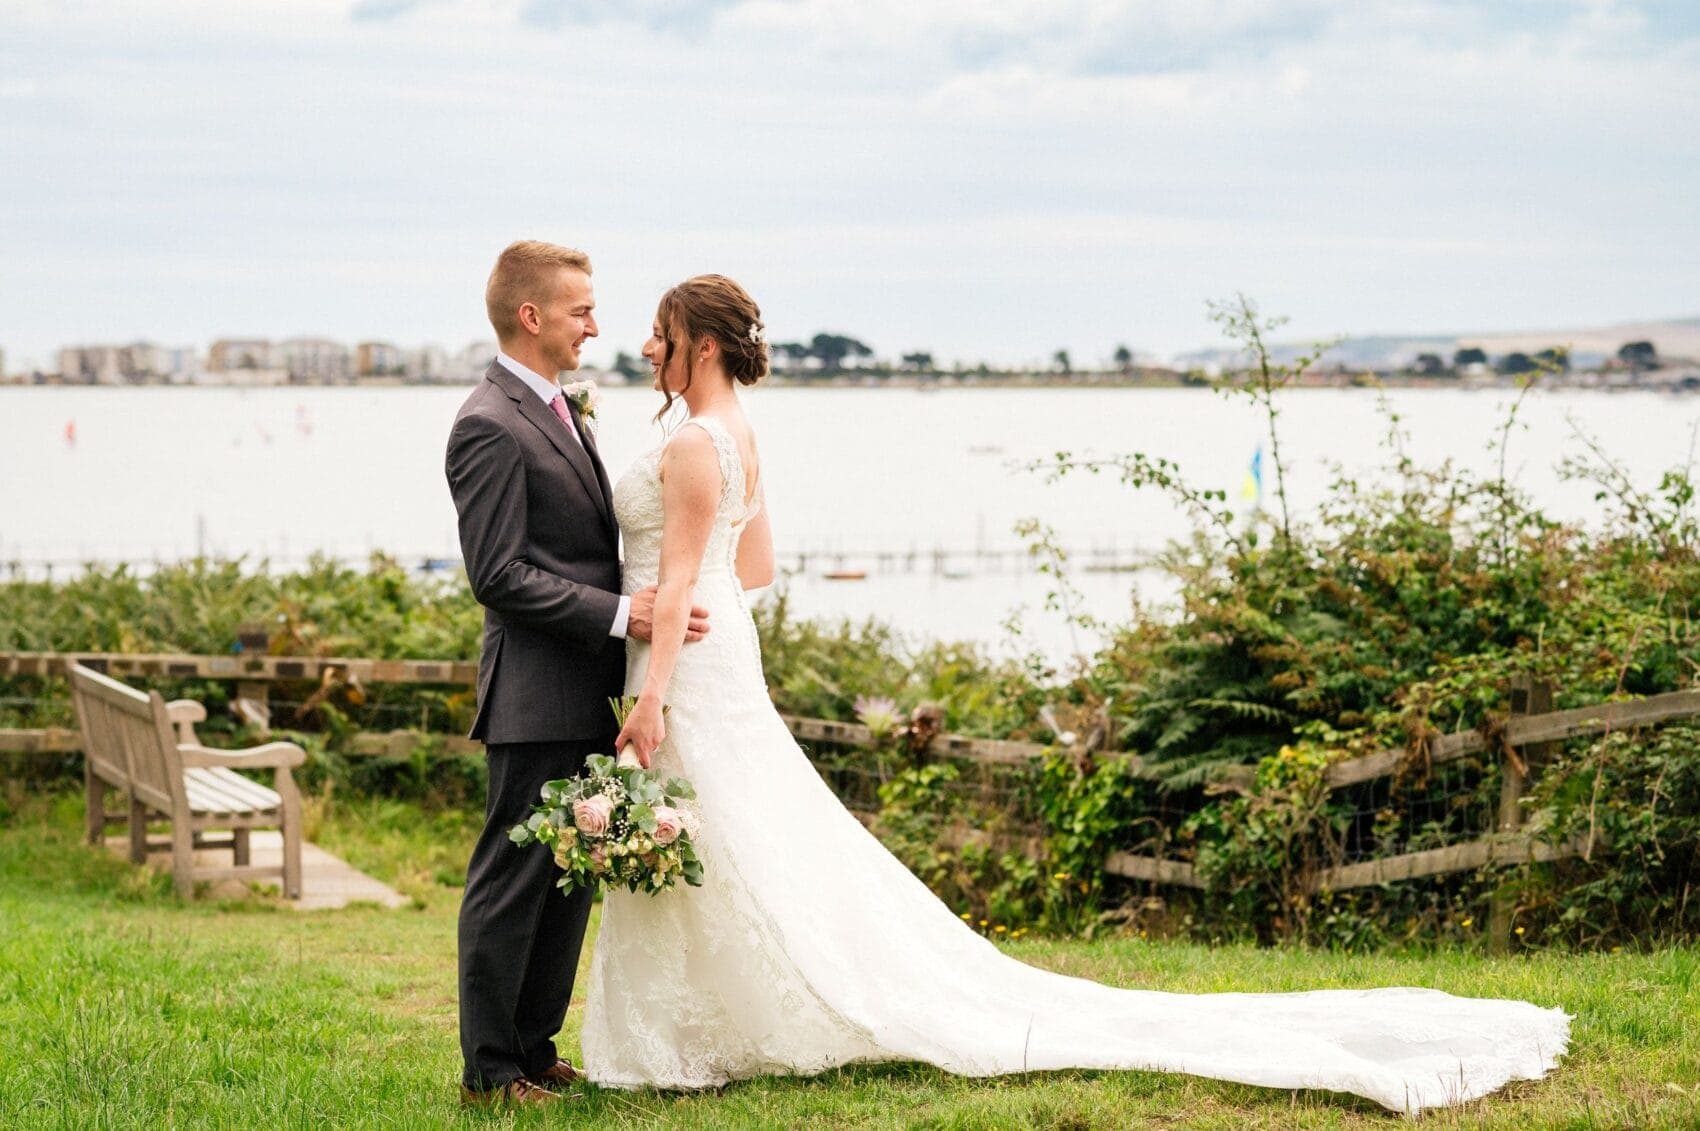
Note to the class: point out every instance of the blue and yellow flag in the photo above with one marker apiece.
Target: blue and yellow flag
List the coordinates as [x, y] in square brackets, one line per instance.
[1252, 488]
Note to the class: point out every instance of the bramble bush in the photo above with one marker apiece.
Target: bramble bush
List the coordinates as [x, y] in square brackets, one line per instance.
[1404, 609]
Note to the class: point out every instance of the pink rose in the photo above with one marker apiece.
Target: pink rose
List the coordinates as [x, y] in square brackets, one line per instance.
[668, 825]
[598, 858]
[591, 814]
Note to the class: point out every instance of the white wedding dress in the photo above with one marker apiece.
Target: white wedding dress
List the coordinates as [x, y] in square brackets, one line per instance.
[810, 946]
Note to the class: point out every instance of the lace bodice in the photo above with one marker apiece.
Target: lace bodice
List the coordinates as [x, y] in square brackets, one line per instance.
[637, 505]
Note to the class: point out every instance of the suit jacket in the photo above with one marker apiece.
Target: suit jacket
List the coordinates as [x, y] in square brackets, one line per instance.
[541, 548]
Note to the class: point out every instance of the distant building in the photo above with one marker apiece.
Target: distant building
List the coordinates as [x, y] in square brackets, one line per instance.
[429, 364]
[243, 361]
[145, 361]
[470, 363]
[379, 359]
[90, 365]
[229, 354]
[134, 364]
[314, 361]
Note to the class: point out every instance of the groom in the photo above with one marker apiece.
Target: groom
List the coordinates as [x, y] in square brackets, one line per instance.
[541, 547]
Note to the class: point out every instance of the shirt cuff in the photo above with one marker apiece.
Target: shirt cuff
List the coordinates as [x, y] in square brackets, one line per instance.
[621, 616]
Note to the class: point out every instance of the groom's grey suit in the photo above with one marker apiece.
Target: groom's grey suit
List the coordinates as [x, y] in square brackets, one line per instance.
[541, 547]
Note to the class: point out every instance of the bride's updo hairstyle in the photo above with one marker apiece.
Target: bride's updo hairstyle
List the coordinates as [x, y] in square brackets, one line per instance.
[715, 306]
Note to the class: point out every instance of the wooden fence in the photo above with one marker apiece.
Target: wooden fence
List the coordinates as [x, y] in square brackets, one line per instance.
[1527, 736]
[254, 674]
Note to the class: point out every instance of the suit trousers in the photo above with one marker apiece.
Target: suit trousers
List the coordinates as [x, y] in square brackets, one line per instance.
[520, 936]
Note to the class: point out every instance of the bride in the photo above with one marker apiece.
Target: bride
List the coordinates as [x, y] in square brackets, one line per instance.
[808, 945]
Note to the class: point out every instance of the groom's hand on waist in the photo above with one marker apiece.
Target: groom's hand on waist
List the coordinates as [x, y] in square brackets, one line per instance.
[641, 625]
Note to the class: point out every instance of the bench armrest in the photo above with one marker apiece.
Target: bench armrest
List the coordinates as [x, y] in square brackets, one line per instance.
[184, 714]
[186, 711]
[273, 755]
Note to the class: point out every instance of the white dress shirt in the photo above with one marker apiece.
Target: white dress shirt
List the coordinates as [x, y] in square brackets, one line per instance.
[547, 391]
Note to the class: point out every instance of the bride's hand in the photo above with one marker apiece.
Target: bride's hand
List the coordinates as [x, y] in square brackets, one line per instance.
[643, 731]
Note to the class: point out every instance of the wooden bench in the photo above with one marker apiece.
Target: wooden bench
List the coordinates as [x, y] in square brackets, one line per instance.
[147, 748]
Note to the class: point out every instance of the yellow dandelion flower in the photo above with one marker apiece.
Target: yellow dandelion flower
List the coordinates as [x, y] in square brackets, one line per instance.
[1000, 928]
[1466, 922]
[1519, 930]
[982, 922]
[966, 916]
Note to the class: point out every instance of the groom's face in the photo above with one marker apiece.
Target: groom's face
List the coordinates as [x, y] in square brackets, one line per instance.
[567, 319]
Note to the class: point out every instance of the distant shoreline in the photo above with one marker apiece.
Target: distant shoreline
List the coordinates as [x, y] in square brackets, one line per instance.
[1675, 378]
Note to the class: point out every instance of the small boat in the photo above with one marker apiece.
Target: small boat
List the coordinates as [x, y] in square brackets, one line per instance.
[846, 575]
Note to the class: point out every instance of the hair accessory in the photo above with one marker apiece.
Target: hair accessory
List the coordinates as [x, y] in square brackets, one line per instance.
[756, 334]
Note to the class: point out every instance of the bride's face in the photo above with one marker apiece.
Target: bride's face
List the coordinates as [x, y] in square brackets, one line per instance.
[672, 374]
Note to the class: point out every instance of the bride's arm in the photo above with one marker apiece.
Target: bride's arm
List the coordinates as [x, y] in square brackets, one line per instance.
[755, 551]
[690, 494]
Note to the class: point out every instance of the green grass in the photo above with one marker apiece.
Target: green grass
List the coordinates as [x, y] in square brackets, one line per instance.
[121, 1006]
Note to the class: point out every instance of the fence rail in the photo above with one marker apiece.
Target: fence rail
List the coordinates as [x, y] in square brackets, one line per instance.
[1528, 733]
[254, 672]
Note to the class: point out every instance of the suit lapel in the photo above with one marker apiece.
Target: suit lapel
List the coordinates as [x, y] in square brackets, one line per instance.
[539, 414]
[589, 438]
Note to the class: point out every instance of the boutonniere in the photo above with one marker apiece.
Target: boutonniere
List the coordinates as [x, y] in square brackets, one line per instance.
[586, 395]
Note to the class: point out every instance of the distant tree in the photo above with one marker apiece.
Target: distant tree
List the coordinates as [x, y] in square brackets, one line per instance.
[629, 367]
[1060, 360]
[1428, 365]
[794, 353]
[1513, 363]
[1469, 355]
[832, 349]
[1638, 355]
[1555, 359]
[1124, 358]
[919, 360]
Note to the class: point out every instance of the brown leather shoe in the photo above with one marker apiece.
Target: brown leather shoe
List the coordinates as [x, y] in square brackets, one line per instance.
[559, 1075]
[518, 1092]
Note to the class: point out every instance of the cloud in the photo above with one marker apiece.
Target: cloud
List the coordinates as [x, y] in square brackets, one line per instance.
[685, 16]
[871, 163]
[689, 16]
[388, 9]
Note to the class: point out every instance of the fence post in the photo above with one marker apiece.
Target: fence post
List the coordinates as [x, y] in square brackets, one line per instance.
[1529, 696]
[251, 705]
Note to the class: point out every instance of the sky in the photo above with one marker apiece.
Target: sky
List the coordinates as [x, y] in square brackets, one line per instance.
[981, 179]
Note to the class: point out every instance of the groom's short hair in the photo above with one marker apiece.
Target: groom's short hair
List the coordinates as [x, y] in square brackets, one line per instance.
[526, 271]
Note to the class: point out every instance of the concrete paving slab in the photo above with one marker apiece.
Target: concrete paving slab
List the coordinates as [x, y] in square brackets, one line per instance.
[327, 882]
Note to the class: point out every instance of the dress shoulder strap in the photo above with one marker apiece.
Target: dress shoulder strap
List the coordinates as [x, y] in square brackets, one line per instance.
[731, 463]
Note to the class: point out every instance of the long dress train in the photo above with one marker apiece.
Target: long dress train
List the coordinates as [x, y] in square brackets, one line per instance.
[810, 946]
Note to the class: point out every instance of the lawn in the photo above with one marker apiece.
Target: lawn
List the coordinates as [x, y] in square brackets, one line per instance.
[121, 1006]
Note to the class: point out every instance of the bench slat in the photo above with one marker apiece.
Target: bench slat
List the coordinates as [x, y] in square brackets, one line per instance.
[237, 786]
[211, 794]
[203, 801]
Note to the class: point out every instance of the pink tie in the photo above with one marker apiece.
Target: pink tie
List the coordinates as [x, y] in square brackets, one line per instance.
[559, 404]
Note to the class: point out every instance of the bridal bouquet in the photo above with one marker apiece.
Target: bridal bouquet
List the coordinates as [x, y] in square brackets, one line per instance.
[616, 824]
